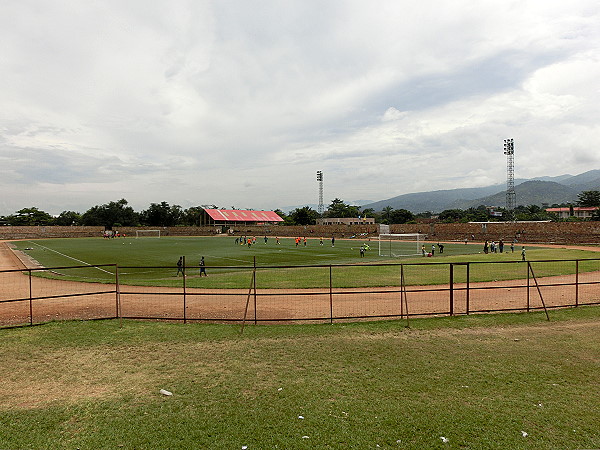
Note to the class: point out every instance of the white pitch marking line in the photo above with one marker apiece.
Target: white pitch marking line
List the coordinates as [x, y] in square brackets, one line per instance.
[70, 257]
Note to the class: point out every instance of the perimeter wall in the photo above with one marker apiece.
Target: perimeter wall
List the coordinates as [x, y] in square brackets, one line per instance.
[530, 232]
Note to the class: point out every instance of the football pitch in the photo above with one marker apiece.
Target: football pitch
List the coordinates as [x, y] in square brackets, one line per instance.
[153, 261]
[218, 251]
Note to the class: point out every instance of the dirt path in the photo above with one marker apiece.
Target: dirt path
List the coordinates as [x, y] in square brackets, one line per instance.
[77, 300]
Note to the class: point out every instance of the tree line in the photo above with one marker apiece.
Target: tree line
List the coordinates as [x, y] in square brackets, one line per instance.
[119, 213]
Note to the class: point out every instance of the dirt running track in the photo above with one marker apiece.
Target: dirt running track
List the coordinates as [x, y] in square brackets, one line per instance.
[58, 300]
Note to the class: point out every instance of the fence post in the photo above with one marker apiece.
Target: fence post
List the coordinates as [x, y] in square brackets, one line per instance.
[118, 296]
[401, 290]
[30, 299]
[468, 291]
[254, 283]
[451, 289]
[116, 292]
[530, 269]
[184, 294]
[528, 299]
[576, 283]
[403, 296]
[330, 295]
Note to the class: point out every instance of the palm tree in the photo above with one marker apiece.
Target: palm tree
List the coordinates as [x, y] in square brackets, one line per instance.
[387, 211]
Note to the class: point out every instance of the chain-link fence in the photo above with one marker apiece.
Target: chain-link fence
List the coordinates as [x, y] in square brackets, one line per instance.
[320, 293]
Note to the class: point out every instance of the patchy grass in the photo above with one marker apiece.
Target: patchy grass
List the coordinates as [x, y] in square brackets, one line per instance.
[478, 381]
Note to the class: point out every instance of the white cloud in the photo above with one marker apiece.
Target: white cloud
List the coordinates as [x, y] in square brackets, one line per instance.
[239, 103]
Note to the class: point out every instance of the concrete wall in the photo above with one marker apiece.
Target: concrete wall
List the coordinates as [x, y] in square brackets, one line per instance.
[549, 232]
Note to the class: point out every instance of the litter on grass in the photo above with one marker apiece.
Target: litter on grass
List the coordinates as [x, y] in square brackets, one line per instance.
[165, 392]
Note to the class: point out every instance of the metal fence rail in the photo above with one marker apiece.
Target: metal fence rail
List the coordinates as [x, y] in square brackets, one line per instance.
[344, 292]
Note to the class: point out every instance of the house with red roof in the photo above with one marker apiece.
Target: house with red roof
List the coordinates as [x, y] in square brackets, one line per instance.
[581, 212]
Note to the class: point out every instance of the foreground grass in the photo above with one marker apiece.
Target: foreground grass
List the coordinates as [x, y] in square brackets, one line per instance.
[478, 381]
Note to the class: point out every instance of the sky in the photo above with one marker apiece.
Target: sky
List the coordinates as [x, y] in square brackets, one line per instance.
[238, 103]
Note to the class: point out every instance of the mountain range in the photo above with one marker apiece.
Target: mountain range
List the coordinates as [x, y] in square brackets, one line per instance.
[537, 191]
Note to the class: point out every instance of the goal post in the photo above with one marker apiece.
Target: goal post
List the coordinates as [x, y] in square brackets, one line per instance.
[397, 245]
[147, 233]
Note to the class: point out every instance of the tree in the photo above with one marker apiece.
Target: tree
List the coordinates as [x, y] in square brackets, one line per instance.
[161, 215]
[451, 215]
[368, 212]
[111, 214]
[192, 216]
[281, 214]
[67, 218]
[387, 214]
[589, 198]
[30, 216]
[338, 208]
[303, 216]
[401, 216]
[533, 212]
[424, 215]
[479, 214]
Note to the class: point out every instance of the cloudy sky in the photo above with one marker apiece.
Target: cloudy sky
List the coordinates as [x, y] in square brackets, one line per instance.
[239, 103]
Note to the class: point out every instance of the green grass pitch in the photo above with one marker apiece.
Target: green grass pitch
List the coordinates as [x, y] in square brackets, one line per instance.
[152, 261]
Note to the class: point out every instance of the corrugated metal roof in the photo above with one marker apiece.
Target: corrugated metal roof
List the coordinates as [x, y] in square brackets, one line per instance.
[240, 215]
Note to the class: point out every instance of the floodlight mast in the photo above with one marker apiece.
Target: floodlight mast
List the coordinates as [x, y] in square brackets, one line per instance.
[511, 196]
[320, 208]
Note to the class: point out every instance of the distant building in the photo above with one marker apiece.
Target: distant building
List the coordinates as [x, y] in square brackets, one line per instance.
[581, 212]
[346, 221]
[225, 217]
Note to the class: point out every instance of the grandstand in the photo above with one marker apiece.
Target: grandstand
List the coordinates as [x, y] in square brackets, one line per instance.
[227, 217]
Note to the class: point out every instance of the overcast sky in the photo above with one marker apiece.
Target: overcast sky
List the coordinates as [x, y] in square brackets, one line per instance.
[239, 103]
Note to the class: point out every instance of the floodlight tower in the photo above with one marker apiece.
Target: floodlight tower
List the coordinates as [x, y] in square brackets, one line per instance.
[511, 196]
[320, 209]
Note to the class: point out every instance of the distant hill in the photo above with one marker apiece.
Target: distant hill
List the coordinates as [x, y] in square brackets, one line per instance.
[528, 193]
[588, 181]
[564, 188]
[433, 201]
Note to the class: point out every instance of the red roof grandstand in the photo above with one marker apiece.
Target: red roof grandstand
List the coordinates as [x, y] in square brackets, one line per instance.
[232, 216]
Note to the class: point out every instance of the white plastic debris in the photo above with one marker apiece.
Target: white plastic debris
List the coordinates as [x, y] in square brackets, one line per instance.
[540, 405]
[445, 440]
[305, 437]
[244, 447]
[300, 417]
[165, 392]
[280, 389]
[524, 433]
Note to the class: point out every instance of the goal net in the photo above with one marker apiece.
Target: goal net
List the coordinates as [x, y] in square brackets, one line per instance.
[147, 233]
[396, 245]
